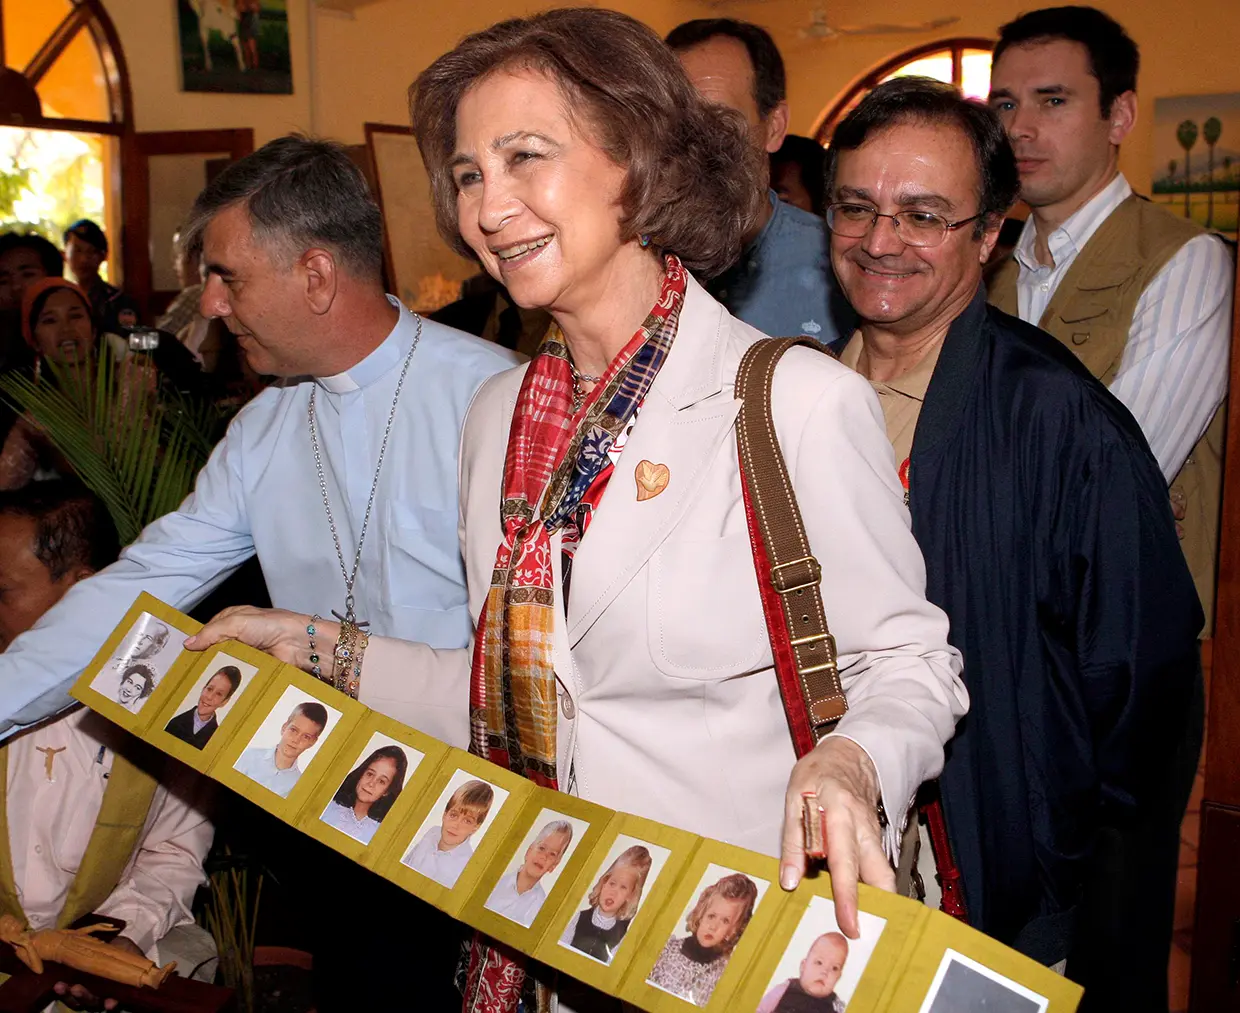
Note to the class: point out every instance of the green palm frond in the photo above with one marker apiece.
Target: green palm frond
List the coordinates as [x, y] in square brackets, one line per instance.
[137, 454]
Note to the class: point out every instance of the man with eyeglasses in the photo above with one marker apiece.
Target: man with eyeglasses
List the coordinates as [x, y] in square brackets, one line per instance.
[1043, 519]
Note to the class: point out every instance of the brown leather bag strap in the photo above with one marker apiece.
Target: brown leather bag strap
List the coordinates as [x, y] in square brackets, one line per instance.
[788, 574]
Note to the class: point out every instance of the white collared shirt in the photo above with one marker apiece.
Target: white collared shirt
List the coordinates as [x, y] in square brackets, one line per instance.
[260, 765]
[344, 819]
[514, 905]
[443, 866]
[1173, 373]
[51, 820]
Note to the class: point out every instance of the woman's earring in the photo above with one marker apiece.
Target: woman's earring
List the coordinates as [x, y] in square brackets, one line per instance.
[644, 239]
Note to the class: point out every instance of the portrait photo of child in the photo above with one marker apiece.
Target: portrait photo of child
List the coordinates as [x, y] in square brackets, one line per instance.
[820, 966]
[372, 787]
[457, 824]
[691, 965]
[535, 866]
[603, 916]
[141, 661]
[961, 985]
[210, 699]
[287, 740]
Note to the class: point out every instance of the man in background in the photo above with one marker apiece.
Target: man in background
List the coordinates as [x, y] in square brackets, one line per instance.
[24, 258]
[782, 283]
[1143, 298]
[86, 248]
[97, 823]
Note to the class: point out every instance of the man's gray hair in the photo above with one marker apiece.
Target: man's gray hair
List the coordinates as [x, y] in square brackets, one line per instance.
[301, 192]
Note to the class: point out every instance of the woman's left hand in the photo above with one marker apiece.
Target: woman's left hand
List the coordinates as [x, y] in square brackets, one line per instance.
[277, 632]
[843, 777]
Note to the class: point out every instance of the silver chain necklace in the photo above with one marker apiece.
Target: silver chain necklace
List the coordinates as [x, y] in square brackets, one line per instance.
[350, 578]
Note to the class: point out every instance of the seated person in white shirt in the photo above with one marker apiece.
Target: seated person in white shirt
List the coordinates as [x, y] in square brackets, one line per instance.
[444, 851]
[198, 724]
[368, 794]
[276, 768]
[519, 895]
[66, 775]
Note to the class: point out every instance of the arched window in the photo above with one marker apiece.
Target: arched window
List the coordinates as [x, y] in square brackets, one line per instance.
[64, 104]
[962, 62]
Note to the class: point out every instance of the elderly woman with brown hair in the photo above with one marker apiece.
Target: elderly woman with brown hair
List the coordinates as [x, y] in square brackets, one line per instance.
[620, 650]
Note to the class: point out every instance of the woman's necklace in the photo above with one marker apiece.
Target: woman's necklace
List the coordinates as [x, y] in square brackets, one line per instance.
[579, 395]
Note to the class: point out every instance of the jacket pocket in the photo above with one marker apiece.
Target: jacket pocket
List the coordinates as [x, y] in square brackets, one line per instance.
[704, 615]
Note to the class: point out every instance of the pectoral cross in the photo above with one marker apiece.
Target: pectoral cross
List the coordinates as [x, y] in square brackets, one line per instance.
[49, 757]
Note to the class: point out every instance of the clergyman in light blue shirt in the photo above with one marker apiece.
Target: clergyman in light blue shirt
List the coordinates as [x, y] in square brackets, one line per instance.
[311, 309]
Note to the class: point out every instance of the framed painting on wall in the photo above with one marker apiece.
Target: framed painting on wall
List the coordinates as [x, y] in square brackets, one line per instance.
[423, 271]
[1196, 169]
[235, 46]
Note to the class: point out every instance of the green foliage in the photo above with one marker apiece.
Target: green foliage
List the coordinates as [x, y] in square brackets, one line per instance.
[138, 454]
[1212, 130]
[12, 183]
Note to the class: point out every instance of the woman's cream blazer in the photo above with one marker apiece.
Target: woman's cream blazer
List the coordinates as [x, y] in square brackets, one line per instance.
[669, 706]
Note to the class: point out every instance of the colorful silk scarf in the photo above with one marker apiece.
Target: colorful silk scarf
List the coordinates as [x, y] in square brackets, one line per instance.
[555, 461]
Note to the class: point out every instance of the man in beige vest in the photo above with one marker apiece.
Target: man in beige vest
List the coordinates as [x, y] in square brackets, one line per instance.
[1140, 294]
[84, 826]
[1143, 297]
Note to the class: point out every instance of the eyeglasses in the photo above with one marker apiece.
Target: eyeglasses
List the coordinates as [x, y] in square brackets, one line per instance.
[915, 228]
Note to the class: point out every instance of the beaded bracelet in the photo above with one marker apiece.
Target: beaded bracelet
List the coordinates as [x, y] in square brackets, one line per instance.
[347, 658]
[315, 670]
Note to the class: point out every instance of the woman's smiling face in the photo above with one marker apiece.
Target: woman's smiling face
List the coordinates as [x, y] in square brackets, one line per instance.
[537, 201]
[63, 329]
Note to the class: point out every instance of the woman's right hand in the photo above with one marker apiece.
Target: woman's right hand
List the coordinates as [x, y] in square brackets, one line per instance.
[277, 632]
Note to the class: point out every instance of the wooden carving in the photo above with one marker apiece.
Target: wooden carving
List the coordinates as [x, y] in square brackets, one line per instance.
[78, 949]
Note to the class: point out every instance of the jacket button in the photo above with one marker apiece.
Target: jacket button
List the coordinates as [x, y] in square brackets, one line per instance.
[567, 706]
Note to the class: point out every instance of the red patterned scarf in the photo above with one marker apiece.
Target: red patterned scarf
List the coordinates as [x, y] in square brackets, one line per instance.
[554, 459]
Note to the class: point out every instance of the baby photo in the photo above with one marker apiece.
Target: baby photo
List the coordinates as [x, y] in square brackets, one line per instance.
[286, 741]
[457, 824]
[143, 658]
[962, 985]
[535, 867]
[372, 787]
[609, 906]
[209, 699]
[820, 967]
[691, 965]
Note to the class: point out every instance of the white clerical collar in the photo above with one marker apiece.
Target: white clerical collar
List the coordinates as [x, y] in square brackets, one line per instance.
[390, 354]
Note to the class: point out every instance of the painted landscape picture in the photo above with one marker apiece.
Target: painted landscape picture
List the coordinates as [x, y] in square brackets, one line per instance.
[1196, 168]
[235, 46]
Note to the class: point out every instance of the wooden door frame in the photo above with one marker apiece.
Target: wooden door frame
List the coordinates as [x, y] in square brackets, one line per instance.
[136, 151]
[1215, 973]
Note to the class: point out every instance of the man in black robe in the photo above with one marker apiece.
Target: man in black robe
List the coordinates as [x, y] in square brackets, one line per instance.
[1049, 542]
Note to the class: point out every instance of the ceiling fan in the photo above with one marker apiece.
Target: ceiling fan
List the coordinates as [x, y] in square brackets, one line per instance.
[819, 28]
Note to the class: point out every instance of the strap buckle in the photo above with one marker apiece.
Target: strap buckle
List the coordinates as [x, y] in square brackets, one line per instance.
[810, 578]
